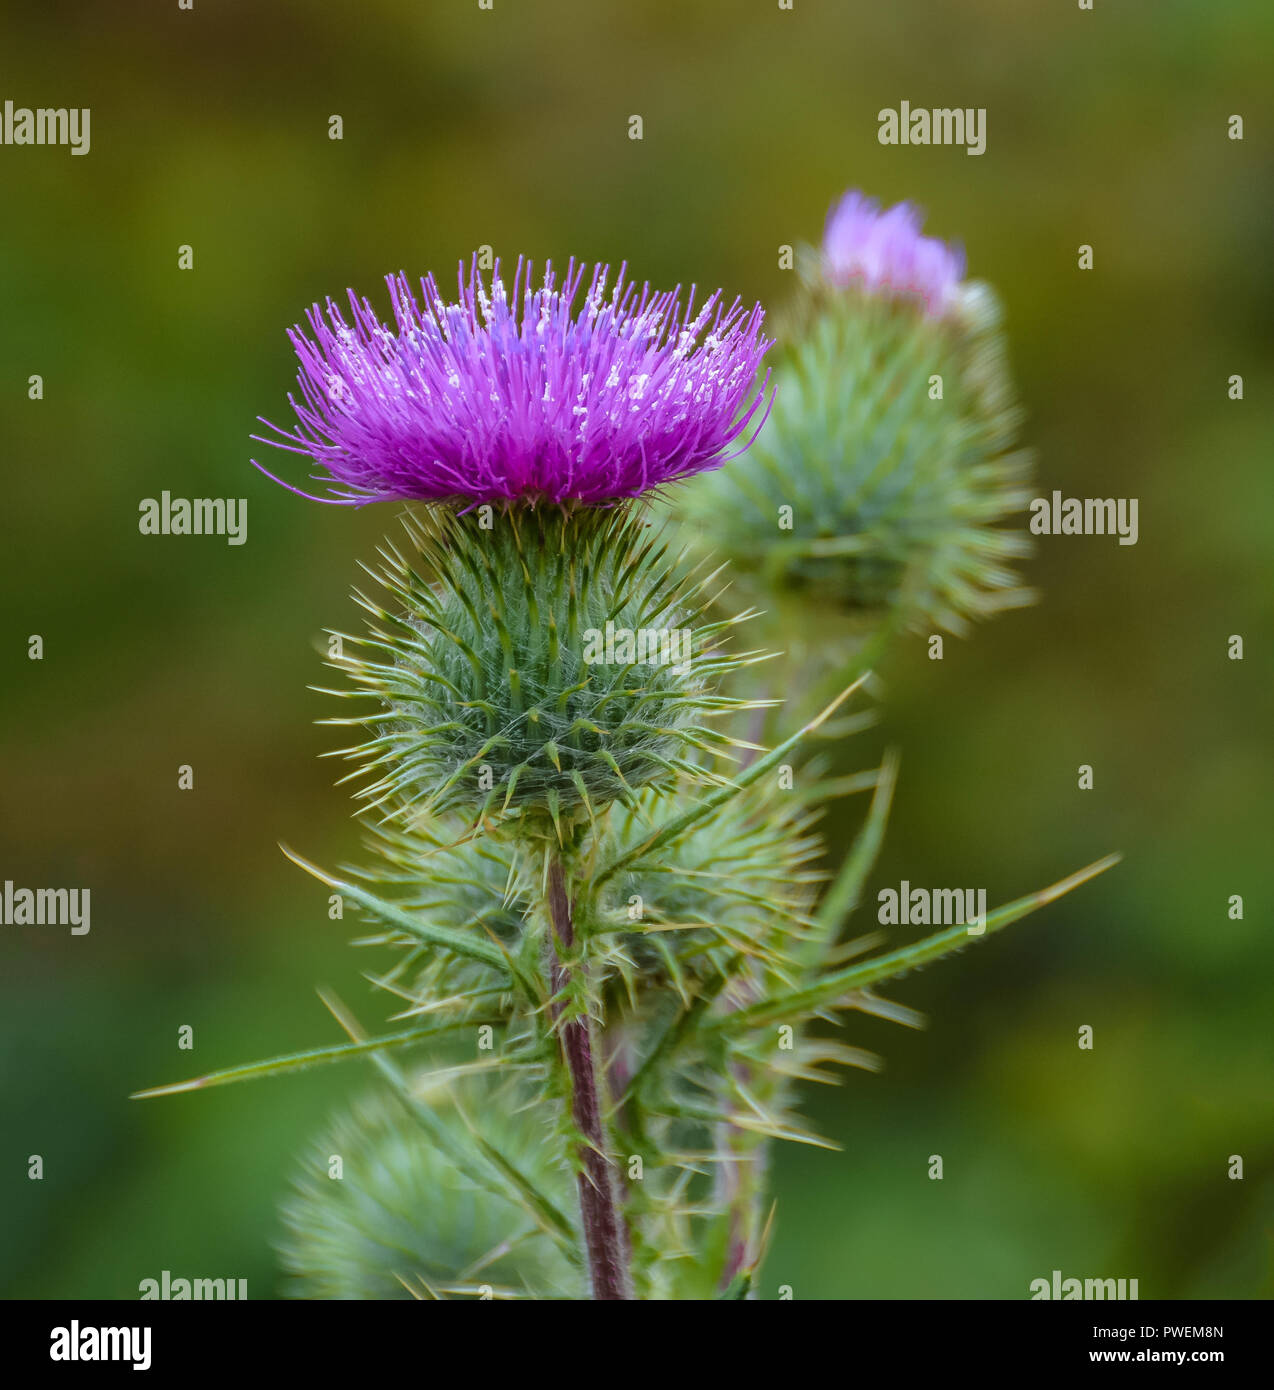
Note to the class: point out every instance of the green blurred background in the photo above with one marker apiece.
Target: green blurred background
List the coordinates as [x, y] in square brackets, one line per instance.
[463, 127]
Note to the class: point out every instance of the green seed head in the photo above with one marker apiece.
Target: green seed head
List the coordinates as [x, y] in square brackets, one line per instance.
[536, 662]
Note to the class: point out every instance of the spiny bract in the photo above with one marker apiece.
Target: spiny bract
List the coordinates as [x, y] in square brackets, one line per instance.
[733, 890]
[730, 897]
[537, 661]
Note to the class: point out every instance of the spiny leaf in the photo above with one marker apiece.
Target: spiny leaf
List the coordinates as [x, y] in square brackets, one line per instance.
[831, 988]
[311, 1057]
[841, 897]
[479, 948]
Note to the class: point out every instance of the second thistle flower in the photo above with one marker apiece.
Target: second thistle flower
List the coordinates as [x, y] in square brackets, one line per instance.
[888, 469]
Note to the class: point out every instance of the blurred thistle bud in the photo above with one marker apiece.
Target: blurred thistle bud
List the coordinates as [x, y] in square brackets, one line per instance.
[880, 483]
[379, 1212]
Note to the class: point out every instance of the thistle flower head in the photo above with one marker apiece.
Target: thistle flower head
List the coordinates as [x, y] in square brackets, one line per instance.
[514, 393]
[884, 253]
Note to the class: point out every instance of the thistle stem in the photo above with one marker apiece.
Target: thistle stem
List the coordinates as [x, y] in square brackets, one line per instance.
[604, 1235]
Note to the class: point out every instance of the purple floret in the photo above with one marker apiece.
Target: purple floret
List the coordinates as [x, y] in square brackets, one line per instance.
[498, 398]
[884, 253]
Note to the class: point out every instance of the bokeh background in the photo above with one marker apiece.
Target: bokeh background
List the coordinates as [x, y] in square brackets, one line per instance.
[509, 127]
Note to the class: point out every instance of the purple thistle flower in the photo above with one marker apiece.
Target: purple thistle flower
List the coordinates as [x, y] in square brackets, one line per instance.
[496, 398]
[883, 252]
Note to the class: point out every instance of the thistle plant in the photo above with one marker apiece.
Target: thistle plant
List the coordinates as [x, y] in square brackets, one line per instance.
[605, 921]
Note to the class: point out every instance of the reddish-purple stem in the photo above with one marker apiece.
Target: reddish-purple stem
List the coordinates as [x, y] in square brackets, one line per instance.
[604, 1235]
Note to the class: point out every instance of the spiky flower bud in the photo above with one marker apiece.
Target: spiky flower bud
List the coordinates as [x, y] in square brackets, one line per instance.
[540, 662]
[888, 465]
